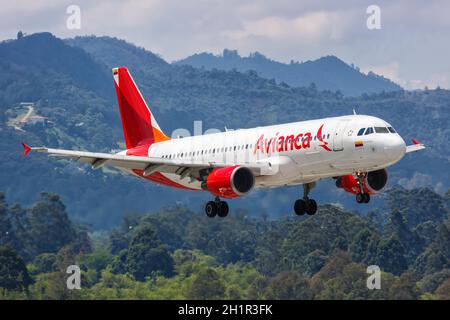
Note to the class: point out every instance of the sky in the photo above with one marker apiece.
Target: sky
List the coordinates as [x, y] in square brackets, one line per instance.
[411, 47]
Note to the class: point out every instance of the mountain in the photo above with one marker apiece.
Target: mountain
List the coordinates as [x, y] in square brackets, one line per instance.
[327, 73]
[70, 83]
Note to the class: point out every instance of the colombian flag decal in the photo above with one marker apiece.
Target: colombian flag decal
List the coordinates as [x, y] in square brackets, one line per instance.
[359, 144]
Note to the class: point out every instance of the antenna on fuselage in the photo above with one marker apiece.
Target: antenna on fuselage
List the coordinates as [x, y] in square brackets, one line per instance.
[354, 112]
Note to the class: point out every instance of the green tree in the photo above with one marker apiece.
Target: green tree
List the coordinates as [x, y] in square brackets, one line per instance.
[414, 208]
[443, 292]
[44, 263]
[364, 247]
[391, 256]
[431, 282]
[206, 285]
[405, 288]
[147, 255]
[314, 261]
[52, 286]
[397, 227]
[188, 262]
[436, 256]
[13, 271]
[269, 255]
[5, 224]
[333, 223]
[97, 260]
[50, 227]
[289, 285]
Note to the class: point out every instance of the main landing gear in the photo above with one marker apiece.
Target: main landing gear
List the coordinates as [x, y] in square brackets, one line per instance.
[216, 207]
[306, 205]
[361, 197]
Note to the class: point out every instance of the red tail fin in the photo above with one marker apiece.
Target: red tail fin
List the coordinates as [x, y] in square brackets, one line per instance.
[139, 125]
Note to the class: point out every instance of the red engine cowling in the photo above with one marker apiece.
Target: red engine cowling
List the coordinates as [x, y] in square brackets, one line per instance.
[229, 182]
[373, 182]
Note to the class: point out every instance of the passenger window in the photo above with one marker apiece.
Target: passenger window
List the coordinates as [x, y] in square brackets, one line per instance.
[369, 131]
[381, 130]
[361, 131]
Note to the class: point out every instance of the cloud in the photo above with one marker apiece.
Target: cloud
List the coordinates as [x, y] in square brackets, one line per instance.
[392, 70]
[411, 48]
[314, 26]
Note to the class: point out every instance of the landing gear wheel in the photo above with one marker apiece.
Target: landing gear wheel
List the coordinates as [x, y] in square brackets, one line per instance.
[306, 205]
[211, 209]
[311, 207]
[362, 198]
[299, 207]
[366, 198]
[222, 209]
[359, 198]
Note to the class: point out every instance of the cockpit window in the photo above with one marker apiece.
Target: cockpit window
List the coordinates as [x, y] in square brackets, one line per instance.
[369, 131]
[392, 130]
[361, 131]
[381, 130]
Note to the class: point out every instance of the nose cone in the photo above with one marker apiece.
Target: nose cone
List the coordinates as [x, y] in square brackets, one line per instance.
[394, 148]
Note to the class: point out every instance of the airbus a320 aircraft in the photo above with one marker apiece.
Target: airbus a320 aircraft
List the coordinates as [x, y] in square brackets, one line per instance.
[354, 150]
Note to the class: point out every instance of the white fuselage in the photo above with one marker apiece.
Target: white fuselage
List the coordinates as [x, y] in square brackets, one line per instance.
[293, 151]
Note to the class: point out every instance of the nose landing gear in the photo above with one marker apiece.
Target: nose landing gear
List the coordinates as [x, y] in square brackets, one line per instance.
[361, 197]
[306, 205]
[216, 207]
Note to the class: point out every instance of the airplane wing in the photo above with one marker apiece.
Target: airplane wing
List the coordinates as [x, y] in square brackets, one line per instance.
[148, 164]
[416, 146]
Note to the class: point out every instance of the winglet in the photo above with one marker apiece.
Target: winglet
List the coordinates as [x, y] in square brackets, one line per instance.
[416, 146]
[26, 149]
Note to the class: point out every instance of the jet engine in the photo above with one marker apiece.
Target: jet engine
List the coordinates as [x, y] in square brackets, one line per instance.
[373, 182]
[229, 182]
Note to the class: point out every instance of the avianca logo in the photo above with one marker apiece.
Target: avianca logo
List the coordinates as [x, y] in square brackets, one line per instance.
[288, 143]
[320, 138]
[283, 143]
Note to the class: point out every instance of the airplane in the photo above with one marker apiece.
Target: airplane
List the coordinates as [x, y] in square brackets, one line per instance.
[355, 150]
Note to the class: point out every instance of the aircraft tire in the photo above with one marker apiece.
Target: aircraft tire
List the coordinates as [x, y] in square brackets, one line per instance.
[366, 197]
[311, 208]
[222, 209]
[211, 209]
[360, 198]
[300, 207]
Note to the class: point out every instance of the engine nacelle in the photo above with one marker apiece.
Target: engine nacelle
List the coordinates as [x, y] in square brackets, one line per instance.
[373, 182]
[229, 182]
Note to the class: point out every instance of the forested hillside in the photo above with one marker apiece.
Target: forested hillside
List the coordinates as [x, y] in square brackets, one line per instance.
[177, 253]
[69, 83]
[328, 73]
